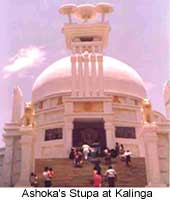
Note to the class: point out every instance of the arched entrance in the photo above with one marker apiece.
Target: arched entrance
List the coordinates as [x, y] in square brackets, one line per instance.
[89, 132]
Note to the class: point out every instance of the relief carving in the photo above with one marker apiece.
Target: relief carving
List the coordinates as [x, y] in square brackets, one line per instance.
[116, 99]
[88, 106]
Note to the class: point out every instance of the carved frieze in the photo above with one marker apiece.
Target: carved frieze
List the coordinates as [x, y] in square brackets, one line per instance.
[96, 106]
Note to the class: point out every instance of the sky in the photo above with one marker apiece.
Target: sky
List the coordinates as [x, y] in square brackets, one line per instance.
[31, 39]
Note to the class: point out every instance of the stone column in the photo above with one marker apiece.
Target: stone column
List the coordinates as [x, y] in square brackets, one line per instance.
[17, 105]
[26, 156]
[140, 138]
[93, 74]
[86, 74]
[8, 161]
[80, 75]
[152, 156]
[68, 132]
[73, 73]
[109, 132]
[100, 73]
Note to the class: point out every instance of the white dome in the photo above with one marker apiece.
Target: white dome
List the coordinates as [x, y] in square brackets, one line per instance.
[118, 78]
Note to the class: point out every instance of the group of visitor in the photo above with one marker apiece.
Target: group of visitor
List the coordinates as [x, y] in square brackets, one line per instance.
[78, 155]
[110, 174]
[118, 151]
[48, 174]
[124, 155]
[83, 153]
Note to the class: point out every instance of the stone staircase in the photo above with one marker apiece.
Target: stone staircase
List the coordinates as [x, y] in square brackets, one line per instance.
[66, 175]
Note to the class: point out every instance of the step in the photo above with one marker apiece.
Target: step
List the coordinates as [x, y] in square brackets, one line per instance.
[66, 175]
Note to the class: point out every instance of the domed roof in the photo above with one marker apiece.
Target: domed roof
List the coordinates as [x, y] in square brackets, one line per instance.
[118, 78]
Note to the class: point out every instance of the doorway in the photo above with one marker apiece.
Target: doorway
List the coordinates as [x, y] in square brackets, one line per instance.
[89, 132]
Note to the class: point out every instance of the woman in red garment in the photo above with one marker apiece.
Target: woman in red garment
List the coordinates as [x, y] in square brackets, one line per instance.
[97, 179]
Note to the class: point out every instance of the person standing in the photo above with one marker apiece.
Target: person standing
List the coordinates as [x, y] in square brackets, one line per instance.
[108, 157]
[78, 159]
[122, 149]
[111, 176]
[127, 155]
[97, 166]
[51, 174]
[86, 151]
[47, 179]
[117, 149]
[33, 180]
[97, 179]
[72, 153]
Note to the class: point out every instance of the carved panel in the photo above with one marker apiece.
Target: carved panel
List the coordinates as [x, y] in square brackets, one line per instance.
[117, 99]
[125, 115]
[88, 106]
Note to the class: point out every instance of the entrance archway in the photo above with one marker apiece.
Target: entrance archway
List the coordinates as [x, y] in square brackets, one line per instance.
[89, 132]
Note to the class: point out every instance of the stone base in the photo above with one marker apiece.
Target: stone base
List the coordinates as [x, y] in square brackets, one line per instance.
[22, 184]
[156, 185]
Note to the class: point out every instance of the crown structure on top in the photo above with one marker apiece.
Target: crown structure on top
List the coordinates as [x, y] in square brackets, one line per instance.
[86, 37]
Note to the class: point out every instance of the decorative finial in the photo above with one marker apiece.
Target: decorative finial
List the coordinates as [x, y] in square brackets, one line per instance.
[104, 8]
[85, 12]
[68, 9]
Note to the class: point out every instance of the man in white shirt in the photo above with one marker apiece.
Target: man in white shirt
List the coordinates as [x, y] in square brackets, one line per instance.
[111, 176]
[127, 155]
[86, 151]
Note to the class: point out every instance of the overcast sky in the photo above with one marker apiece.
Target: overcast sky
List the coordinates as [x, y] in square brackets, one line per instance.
[31, 40]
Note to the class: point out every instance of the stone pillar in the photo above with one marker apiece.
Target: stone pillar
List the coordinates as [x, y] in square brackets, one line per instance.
[80, 75]
[139, 131]
[86, 74]
[109, 132]
[93, 74]
[17, 105]
[73, 73]
[8, 161]
[26, 156]
[152, 156]
[68, 132]
[100, 73]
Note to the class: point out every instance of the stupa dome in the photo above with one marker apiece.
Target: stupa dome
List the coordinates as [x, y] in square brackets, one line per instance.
[119, 78]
